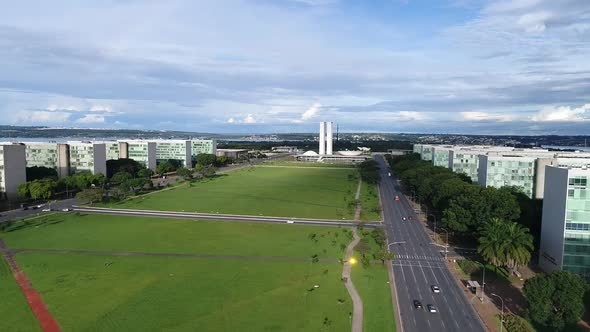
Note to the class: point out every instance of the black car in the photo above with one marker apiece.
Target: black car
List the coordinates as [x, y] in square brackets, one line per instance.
[417, 304]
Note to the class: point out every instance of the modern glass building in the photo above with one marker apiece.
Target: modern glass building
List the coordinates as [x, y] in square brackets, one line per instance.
[87, 156]
[143, 152]
[208, 146]
[12, 169]
[465, 162]
[174, 149]
[426, 152]
[565, 231]
[112, 150]
[501, 171]
[441, 156]
[50, 155]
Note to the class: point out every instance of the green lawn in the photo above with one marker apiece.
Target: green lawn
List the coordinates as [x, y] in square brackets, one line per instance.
[183, 294]
[304, 164]
[285, 192]
[372, 284]
[145, 234]
[14, 311]
[371, 209]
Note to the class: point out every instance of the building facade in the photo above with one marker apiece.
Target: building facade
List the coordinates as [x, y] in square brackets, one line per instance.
[565, 231]
[179, 150]
[441, 156]
[87, 156]
[50, 155]
[501, 171]
[465, 162]
[112, 150]
[208, 146]
[12, 169]
[141, 151]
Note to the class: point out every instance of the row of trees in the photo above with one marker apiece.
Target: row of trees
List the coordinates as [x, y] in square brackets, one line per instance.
[369, 171]
[46, 188]
[486, 214]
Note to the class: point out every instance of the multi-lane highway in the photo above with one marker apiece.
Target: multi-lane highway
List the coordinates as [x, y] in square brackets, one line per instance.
[418, 266]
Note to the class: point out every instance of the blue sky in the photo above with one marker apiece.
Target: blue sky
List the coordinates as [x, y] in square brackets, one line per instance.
[263, 66]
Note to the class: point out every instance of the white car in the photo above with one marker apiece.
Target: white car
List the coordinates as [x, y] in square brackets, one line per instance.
[432, 309]
[435, 289]
[66, 209]
[46, 210]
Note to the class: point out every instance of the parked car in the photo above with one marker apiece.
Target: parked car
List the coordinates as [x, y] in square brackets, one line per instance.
[432, 309]
[417, 304]
[435, 289]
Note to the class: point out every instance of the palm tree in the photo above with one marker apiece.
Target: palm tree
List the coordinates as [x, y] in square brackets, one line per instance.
[492, 242]
[505, 243]
[520, 246]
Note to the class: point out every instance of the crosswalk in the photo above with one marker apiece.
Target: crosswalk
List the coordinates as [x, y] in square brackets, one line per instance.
[420, 257]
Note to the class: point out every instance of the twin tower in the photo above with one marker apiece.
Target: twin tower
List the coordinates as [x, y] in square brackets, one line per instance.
[326, 138]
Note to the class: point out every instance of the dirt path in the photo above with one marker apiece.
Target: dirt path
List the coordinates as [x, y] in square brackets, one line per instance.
[46, 320]
[357, 303]
[357, 212]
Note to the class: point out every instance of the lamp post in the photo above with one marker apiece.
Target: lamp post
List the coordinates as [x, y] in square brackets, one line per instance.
[447, 246]
[483, 281]
[502, 315]
[434, 217]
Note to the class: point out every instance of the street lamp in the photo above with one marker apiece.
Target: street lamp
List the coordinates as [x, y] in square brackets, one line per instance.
[447, 246]
[502, 315]
[433, 216]
[483, 281]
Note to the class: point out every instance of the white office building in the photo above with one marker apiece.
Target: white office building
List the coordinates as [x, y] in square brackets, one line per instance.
[12, 169]
[179, 150]
[565, 232]
[88, 156]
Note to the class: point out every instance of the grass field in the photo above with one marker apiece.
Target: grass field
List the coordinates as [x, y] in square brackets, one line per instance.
[180, 294]
[145, 234]
[371, 209]
[304, 164]
[137, 293]
[14, 311]
[285, 192]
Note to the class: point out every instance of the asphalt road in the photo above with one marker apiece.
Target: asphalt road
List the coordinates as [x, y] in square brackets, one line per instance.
[19, 213]
[222, 217]
[418, 265]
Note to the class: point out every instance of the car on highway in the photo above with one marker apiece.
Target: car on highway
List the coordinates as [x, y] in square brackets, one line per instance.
[66, 209]
[46, 210]
[435, 289]
[396, 198]
[417, 304]
[432, 309]
[404, 219]
[410, 218]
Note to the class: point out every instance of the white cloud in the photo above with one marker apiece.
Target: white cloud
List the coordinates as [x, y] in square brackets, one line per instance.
[41, 117]
[485, 116]
[563, 113]
[231, 120]
[534, 22]
[91, 118]
[411, 116]
[101, 108]
[249, 119]
[311, 113]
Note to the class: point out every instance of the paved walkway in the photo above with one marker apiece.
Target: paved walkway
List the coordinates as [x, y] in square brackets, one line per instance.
[46, 320]
[357, 212]
[357, 303]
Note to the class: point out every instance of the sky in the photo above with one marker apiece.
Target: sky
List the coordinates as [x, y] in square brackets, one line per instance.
[278, 66]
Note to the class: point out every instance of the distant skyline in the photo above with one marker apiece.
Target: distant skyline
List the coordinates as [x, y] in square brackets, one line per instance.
[260, 66]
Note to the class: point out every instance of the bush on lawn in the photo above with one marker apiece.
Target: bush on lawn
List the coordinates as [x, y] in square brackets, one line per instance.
[513, 323]
[468, 266]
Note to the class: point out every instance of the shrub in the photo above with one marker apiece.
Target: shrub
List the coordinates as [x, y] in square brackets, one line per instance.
[468, 266]
[513, 323]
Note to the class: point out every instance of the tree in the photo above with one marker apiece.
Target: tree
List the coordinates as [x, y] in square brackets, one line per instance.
[40, 172]
[369, 171]
[92, 195]
[121, 177]
[23, 190]
[145, 173]
[185, 173]
[555, 300]
[205, 159]
[384, 255]
[165, 167]
[115, 166]
[505, 243]
[221, 161]
[42, 188]
[208, 171]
